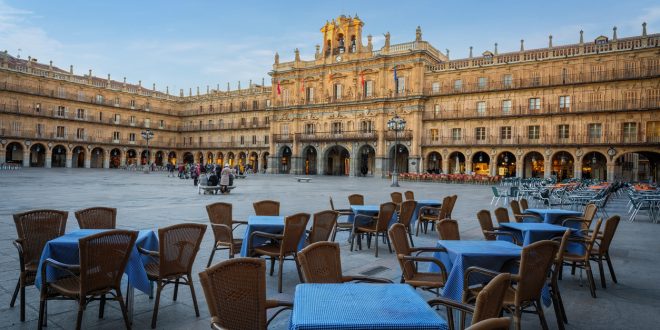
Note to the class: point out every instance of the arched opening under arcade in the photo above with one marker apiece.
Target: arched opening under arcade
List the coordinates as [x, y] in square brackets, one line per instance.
[506, 164]
[285, 160]
[220, 158]
[159, 158]
[456, 162]
[481, 163]
[98, 156]
[115, 158]
[594, 166]
[337, 161]
[253, 162]
[58, 156]
[171, 157]
[14, 153]
[640, 166]
[78, 157]
[188, 158]
[264, 160]
[209, 158]
[367, 156]
[131, 157]
[533, 165]
[399, 154]
[563, 165]
[309, 156]
[230, 159]
[434, 163]
[37, 155]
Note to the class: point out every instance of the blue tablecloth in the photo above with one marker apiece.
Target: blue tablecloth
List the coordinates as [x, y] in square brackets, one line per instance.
[362, 306]
[553, 216]
[368, 210]
[528, 233]
[65, 249]
[268, 224]
[421, 203]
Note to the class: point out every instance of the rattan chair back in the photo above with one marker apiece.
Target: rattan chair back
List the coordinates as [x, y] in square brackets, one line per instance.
[501, 215]
[36, 228]
[406, 212]
[221, 214]
[524, 205]
[448, 230]
[490, 299]
[385, 214]
[589, 214]
[608, 233]
[356, 199]
[322, 225]
[97, 218]
[399, 239]
[535, 262]
[294, 228]
[267, 208]
[451, 206]
[410, 195]
[486, 223]
[397, 197]
[103, 258]
[501, 323]
[235, 292]
[178, 247]
[515, 208]
[321, 263]
[445, 208]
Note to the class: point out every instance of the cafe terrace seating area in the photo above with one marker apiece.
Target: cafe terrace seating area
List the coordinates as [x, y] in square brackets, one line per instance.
[539, 247]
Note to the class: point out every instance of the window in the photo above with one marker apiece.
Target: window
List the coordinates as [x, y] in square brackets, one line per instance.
[480, 133]
[115, 136]
[117, 118]
[61, 92]
[131, 137]
[60, 132]
[458, 85]
[242, 140]
[435, 87]
[37, 107]
[507, 81]
[505, 132]
[267, 120]
[255, 105]
[533, 132]
[100, 116]
[40, 130]
[436, 110]
[563, 131]
[285, 97]
[243, 122]
[132, 120]
[435, 136]
[337, 91]
[284, 129]
[309, 128]
[80, 114]
[61, 111]
[80, 133]
[266, 139]
[117, 102]
[309, 94]
[131, 104]
[367, 126]
[255, 122]
[336, 128]
[231, 106]
[401, 85]
[565, 103]
[147, 122]
[81, 96]
[243, 105]
[99, 99]
[481, 108]
[535, 79]
[268, 103]
[629, 132]
[506, 106]
[456, 134]
[482, 83]
[534, 103]
[595, 131]
[369, 88]
[16, 126]
[161, 124]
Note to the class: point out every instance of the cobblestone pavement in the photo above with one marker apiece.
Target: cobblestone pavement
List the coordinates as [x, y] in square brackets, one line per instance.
[154, 200]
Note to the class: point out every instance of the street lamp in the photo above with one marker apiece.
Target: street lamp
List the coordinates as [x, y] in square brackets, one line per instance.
[396, 124]
[147, 135]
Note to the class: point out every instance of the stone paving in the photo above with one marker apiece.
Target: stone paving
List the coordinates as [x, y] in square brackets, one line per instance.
[154, 200]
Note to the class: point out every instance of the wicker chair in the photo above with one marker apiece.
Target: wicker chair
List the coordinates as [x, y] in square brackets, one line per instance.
[488, 303]
[323, 225]
[524, 205]
[223, 226]
[585, 220]
[266, 208]
[520, 217]
[103, 258]
[428, 214]
[500, 323]
[397, 198]
[583, 260]
[489, 231]
[448, 230]
[178, 246]
[450, 210]
[355, 199]
[535, 262]
[410, 274]
[97, 218]
[321, 263]
[282, 245]
[235, 292]
[378, 226]
[502, 215]
[341, 226]
[34, 229]
[410, 195]
[553, 281]
[602, 249]
[405, 216]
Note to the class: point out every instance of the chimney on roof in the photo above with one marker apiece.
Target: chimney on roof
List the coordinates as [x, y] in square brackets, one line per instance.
[550, 41]
[50, 66]
[614, 34]
[153, 87]
[197, 90]
[318, 51]
[522, 45]
[581, 37]
[495, 48]
[71, 69]
[140, 84]
[470, 51]
[108, 83]
[90, 73]
[189, 91]
[447, 50]
[644, 29]
[239, 85]
[181, 92]
[217, 87]
[263, 82]
[167, 90]
[124, 85]
[297, 53]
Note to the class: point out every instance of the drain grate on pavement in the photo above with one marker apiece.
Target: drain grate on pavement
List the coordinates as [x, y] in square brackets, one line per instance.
[374, 271]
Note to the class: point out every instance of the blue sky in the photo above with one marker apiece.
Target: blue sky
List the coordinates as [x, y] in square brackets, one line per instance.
[185, 44]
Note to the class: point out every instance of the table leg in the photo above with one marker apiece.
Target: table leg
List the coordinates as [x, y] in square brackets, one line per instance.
[130, 297]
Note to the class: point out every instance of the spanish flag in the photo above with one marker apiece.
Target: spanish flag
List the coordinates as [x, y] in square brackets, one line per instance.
[279, 90]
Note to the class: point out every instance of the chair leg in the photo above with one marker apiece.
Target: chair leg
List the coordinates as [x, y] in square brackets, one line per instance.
[295, 259]
[154, 316]
[81, 309]
[15, 295]
[272, 265]
[102, 307]
[609, 265]
[211, 257]
[601, 271]
[410, 236]
[124, 312]
[590, 277]
[192, 293]
[176, 289]
[376, 245]
[334, 234]
[387, 238]
[539, 311]
[418, 224]
[279, 275]
[42, 313]
[22, 300]
[516, 318]
[555, 306]
[561, 306]
[352, 240]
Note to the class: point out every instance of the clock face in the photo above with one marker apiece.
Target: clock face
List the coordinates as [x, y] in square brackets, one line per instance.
[338, 58]
[611, 152]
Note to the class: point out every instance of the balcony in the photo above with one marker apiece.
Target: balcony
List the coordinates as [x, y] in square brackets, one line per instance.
[282, 138]
[402, 136]
[542, 140]
[343, 136]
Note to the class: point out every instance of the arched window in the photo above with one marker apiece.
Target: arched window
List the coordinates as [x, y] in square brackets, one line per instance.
[353, 47]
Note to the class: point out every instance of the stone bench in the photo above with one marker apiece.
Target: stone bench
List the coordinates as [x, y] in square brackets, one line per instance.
[304, 179]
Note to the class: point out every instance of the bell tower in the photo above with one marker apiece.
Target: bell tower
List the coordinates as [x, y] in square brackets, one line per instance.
[342, 37]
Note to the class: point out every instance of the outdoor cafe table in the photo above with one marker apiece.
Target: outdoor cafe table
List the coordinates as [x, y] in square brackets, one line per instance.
[530, 232]
[268, 224]
[553, 216]
[369, 210]
[362, 306]
[65, 249]
[422, 203]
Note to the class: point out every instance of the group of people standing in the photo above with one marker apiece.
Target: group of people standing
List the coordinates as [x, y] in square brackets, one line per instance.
[209, 175]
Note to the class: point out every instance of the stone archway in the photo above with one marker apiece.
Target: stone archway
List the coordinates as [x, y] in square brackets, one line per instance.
[594, 166]
[131, 157]
[200, 157]
[253, 162]
[481, 163]
[97, 158]
[14, 153]
[637, 166]
[456, 162]
[171, 157]
[264, 160]
[434, 162]
[533, 165]
[309, 156]
[563, 165]
[37, 155]
[159, 158]
[284, 160]
[230, 159]
[506, 164]
[337, 161]
[209, 157]
[367, 160]
[399, 154]
[115, 158]
[220, 158]
[78, 157]
[58, 156]
[188, 158]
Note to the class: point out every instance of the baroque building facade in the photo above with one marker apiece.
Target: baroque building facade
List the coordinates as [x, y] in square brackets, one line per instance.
[585, 110]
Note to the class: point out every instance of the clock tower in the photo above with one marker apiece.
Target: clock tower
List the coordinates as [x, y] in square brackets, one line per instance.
[342, 38]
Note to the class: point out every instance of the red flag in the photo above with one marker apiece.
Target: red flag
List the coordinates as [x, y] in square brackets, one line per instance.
[302, 84]
[279, 90]
[362, 78]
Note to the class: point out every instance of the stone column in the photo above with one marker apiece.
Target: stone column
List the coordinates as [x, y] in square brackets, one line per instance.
[297, 165]
[69, 159]
[577, 169]
[122, 158]
[492, 166]
[421, 164]
[611, 167]
[547, 167]
[519, 168]
[273, 166]
[49, 158]
[88, 159]
[380, 166]
[106, 159]
[3, 155]
[445, 165]
[468, 165]
[26, 157]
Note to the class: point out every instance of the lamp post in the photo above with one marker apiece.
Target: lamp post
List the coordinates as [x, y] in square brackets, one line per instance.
[147, 135]
[396, 124]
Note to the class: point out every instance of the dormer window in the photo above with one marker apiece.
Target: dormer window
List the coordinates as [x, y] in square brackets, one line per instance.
[601, 40]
